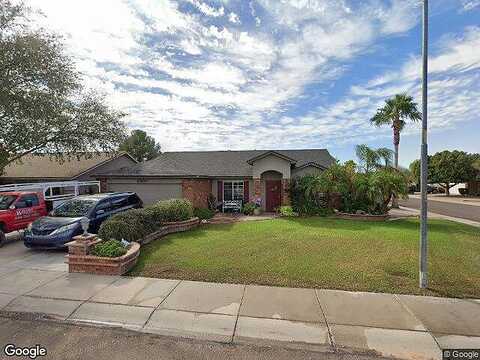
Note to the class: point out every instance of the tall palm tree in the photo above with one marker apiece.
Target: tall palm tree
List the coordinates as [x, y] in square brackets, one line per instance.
[395, 113]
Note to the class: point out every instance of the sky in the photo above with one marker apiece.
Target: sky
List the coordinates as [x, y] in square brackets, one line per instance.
[276, 74]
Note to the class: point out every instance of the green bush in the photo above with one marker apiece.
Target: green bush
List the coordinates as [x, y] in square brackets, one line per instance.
[287, 211]
[110, 248]
[203, 213]
[130, 225]
[248, 208]
[171, 210]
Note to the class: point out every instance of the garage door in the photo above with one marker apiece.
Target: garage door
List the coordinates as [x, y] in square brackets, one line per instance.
[150, 193]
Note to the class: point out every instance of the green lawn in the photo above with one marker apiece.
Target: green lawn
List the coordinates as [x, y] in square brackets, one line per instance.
[321, 252]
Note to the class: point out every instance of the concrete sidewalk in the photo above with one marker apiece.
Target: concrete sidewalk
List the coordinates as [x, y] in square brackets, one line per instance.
[325, 320]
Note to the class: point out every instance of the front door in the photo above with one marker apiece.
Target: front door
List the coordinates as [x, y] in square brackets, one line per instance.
[273, 194]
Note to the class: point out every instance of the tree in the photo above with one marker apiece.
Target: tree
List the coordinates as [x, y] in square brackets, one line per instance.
[370, 159]
[141, 146]
[449, 168]
[44, 108]
[395, 113]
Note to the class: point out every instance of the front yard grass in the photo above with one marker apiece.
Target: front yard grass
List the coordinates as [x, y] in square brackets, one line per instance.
[321, 253]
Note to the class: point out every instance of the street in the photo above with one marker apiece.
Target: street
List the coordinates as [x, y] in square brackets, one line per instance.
[66, 341]
[464, 211]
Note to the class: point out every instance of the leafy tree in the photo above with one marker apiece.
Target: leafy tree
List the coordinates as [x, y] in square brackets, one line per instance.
[141, 146]
[449, 168]
[395, 113]
[43, 105]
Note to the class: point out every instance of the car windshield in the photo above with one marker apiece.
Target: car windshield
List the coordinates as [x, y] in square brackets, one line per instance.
[74, 208]
[6, 201]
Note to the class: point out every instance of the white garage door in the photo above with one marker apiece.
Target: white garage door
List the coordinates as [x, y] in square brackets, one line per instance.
[150, 192]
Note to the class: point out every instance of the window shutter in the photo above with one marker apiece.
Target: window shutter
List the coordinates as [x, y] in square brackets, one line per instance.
[219, 190]
[246, 191]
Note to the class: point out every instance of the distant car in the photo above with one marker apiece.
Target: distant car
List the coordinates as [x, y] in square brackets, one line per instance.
[54, 231]
[18, 209]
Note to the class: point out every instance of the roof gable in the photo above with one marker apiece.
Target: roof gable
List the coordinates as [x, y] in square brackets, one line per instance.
[271, 153]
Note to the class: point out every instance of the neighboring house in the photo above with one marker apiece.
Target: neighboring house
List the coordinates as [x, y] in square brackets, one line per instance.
[228, 175]
[42, 168]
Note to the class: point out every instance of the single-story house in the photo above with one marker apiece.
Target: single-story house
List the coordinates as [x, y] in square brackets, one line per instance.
[228, 175]
[42, 168]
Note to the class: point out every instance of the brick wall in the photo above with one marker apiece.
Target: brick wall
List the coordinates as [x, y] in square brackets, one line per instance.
[197, 191]
[285, 192]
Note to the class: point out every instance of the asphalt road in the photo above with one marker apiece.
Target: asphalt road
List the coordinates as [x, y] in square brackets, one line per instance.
[66, 341]
[470, 212]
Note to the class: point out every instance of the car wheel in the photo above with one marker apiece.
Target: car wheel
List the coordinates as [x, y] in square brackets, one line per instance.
[3, 239]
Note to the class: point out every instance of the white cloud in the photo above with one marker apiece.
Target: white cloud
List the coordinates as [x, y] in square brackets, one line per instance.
[233, 18]
[203, 79]
[470, 4]
[207, 9]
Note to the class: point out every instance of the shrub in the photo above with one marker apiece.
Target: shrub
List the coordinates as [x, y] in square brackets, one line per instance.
[203, 213]
[110, 248]
[130, 225]
[171, 210]
[287, 211]
[248, 208]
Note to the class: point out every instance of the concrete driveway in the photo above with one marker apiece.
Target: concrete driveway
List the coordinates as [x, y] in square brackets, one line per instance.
[14, 255]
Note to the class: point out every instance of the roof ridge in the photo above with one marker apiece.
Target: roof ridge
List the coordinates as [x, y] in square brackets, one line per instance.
[231, 151]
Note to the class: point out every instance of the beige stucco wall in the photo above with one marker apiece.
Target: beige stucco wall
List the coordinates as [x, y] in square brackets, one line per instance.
[308, 170]
[271, 162]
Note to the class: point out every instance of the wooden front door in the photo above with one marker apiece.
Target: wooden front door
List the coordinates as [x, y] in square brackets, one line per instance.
[273, 194]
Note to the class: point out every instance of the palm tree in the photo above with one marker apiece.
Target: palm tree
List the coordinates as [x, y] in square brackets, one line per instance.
[370, 159]
[395, 113]
[386, 155]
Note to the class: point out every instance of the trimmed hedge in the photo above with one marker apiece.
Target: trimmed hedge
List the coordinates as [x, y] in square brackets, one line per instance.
[133, 225]
[171, 210]
[130, 225]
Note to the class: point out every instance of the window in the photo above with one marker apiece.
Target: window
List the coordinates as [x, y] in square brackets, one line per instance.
[232, 190]
[27, 201]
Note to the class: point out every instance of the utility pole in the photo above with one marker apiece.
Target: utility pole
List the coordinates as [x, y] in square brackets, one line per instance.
[424, 159]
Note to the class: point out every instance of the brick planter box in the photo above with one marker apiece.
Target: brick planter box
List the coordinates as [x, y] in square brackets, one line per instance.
[365, 217]
[80, 260]
[169, 228]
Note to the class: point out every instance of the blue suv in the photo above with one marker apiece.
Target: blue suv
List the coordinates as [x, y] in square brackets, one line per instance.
[54, 231]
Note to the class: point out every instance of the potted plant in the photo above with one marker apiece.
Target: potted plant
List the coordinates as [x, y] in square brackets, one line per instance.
[258, 206]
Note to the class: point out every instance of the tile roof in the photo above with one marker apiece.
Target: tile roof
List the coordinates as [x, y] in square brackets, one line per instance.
[217, 163]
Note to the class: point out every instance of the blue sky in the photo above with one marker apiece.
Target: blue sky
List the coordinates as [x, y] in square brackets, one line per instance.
[225, 74]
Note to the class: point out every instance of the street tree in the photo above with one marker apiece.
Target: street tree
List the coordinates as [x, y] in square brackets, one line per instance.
[141, 146]
[450, 168]
[44, 107]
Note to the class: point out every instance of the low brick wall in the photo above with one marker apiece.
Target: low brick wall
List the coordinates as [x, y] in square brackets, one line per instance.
[169, 228]
[102, 265]
[364, 217]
